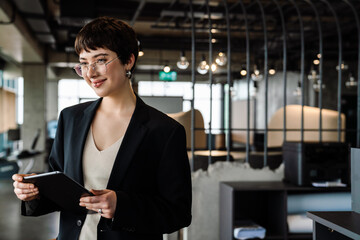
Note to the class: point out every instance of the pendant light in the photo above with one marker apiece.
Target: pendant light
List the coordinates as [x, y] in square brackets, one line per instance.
[183, 63]
[221, 59]
[203, 67]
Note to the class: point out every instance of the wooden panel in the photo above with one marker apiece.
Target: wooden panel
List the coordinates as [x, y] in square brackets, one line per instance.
[7, 110]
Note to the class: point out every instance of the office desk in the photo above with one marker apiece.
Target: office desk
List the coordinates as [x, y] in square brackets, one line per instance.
[28, 164]
[335, 225]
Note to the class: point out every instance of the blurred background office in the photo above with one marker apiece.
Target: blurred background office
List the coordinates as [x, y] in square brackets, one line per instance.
[242, 76]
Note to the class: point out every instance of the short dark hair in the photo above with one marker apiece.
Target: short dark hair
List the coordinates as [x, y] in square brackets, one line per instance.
[110, 33]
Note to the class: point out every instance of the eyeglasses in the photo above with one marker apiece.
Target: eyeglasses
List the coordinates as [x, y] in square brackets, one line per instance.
[99, 66]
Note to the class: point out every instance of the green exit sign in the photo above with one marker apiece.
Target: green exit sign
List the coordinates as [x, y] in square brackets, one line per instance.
[168, 76]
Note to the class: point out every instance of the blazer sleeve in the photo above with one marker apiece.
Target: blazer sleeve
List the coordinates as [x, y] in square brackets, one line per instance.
[170, 209]
[43, 205]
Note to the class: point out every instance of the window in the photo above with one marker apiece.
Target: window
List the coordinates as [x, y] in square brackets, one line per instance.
[184, 89]
[73, 91]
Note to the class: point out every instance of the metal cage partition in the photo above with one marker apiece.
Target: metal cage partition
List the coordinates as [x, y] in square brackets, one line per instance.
[193, 59]
[266, 74]
[338, 29]
[356, 15]
[254, 28]
[211, 81]
[283, 26]
[228, 80]
[318, 22]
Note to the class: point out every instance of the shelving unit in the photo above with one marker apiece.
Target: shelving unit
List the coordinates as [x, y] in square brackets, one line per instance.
[336, 225]
[264, 203]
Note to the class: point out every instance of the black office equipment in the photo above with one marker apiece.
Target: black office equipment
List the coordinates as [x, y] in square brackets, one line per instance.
[7, 169]
[307, 162]
[264, 202]
[341, 225]
[13, 134]
[32, 152]
[61, 189]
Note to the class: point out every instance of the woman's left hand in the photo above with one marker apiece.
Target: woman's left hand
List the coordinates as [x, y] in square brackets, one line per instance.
[104, 202]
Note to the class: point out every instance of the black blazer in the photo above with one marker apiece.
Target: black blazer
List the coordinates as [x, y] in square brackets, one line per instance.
[151, 175]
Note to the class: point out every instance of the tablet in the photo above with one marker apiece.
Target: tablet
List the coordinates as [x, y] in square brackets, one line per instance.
[61, 189]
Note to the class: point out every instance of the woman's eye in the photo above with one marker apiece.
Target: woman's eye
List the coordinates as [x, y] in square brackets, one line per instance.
[83, 64]
[101, 61]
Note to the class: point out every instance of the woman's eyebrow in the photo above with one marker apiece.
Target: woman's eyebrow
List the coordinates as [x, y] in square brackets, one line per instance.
[95, 56]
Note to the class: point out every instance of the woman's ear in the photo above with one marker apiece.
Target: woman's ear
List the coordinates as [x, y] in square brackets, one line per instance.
[130, 62]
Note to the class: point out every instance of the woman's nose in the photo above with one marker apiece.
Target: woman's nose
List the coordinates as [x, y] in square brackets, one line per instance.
[91, 71]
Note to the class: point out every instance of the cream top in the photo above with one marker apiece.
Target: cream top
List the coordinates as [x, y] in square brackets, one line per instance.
[97, 166]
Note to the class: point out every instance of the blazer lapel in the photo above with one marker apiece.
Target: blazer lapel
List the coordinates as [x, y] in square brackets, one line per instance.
[82, 128]
[132, 138]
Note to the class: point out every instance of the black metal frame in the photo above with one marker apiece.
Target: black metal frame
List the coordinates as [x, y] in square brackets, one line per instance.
[282, 8]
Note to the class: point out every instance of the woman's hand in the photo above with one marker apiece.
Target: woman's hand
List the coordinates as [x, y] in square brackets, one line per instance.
[24, 191]
[103, 199]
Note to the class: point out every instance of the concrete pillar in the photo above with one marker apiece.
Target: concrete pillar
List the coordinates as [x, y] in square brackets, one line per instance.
[52, 100]
[34, 105]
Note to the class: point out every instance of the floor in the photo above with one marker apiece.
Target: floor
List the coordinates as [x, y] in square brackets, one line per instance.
[13, 226]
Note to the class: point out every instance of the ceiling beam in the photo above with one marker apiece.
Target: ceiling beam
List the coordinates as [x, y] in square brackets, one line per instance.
[16, 40]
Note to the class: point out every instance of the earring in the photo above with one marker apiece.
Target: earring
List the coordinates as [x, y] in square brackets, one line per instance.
[128, 74]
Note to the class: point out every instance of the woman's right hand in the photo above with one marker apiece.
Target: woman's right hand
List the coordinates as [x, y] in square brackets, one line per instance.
[24, 191]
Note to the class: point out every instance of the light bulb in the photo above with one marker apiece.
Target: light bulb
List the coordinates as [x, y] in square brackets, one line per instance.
[297, 91]
[316, 61]
[183, 63]
[316, 86]
[272, 71]
[213, 67]
[243, 72]
[203, 67]
[221, 59]
[167, 68]
[343, 65]
[351, 82]
[141, 52]
[313, 76]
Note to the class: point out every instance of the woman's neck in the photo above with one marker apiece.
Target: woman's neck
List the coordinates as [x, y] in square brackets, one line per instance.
[123, 102]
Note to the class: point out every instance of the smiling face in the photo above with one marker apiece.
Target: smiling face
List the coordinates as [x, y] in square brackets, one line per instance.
[105, 73]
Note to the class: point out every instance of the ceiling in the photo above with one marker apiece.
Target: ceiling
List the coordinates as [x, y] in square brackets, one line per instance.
[38, 30]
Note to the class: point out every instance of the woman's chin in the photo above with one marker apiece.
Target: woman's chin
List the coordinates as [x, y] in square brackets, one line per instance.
[99, 92]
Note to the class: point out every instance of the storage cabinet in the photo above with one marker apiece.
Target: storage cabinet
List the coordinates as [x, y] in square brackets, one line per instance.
[265, 203]
[336, 225]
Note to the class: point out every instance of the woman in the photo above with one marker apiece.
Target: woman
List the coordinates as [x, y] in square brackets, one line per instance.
[131, 156]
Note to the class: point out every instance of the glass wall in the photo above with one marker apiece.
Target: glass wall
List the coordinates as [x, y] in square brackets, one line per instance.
[184, 90]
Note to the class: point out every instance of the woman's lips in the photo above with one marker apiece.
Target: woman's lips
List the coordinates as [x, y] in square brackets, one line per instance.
[97, 83]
